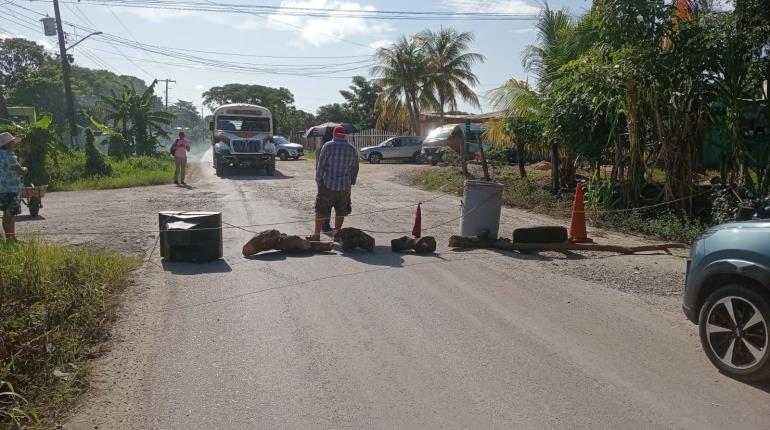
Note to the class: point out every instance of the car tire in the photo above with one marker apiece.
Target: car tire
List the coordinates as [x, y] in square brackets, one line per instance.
[416, 158]
[733, 326]
[375, 158]
[218, 167]
[545, 234]
[283, 155]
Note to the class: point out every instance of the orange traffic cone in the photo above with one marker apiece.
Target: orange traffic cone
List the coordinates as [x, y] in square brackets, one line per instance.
[417, 229]
[577, 229]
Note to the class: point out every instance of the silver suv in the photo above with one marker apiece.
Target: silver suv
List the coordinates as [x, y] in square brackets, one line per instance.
[395, 148]
[727, 294]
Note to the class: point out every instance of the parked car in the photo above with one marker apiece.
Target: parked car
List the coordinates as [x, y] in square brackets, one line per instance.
[285, 149]
[436, 143]
[727, 294]
[395, 148]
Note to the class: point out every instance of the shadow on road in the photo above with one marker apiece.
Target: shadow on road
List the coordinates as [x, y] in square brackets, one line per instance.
[381, 256]
[249, 175]
[27, 218]
[281, 255]
[185, 268]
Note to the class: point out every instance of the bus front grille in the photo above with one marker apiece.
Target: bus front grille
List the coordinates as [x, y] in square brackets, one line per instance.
[245, 146]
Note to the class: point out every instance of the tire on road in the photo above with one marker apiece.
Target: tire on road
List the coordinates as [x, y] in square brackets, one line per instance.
[219, 168]
[546, 234]
[283, 155]
[735, 319]
[375, 158]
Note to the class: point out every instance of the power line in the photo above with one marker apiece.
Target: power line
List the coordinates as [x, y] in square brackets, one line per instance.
[210, 6]
[239, 54]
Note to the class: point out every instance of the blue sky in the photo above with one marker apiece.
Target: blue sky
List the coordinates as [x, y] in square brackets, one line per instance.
[277, 35]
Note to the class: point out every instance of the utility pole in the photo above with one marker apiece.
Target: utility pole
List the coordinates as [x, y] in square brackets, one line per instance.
[65, 71]
[167, 81]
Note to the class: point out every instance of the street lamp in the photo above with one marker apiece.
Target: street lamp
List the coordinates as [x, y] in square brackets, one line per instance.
[76, 43]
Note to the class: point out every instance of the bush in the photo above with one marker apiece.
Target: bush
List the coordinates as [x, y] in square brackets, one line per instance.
[56, 304]
[95, 164]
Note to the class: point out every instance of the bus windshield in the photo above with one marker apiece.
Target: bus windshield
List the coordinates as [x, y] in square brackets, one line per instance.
[243, 123]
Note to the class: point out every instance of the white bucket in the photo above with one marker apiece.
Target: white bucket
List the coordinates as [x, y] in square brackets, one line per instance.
[482, 202]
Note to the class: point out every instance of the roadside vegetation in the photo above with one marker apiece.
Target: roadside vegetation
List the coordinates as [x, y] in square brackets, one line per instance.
[69, 173]
[57, 304]
[659, 107]
[532, 193]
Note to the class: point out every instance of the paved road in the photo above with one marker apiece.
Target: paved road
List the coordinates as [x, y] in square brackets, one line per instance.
[475, 339]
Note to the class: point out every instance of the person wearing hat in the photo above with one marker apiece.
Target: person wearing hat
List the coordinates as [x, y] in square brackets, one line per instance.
[10, 184]
[336, 173]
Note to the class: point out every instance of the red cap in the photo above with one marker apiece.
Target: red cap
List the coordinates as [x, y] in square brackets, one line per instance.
[339, 132]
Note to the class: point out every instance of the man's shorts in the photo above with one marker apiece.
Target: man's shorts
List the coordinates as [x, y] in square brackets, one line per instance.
[328, 199]
[10, 203]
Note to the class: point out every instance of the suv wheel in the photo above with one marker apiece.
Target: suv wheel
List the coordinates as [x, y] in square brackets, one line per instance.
[733, 327]
[375, 158]
[417, 158]
[283, 155]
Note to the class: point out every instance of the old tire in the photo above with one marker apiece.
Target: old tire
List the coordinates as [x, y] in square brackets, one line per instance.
[733, 327]
[375, 158]
[283, 155]
[34, 206]
[547, 234]
[218, 167]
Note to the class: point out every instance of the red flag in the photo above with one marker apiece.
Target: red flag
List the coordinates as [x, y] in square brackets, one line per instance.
[416, 231]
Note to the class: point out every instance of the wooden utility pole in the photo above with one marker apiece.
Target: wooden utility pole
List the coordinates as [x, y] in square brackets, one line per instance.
[65, 71]
[167, 81]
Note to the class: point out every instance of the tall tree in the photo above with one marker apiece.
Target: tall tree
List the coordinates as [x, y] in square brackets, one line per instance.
[18, 59]
[450, 67]
[361, 100]
[402, 70]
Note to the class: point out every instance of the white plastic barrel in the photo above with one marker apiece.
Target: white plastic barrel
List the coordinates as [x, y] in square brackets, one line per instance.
[482, 201]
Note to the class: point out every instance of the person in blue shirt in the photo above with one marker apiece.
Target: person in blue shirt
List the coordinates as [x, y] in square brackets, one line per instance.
[10, 184]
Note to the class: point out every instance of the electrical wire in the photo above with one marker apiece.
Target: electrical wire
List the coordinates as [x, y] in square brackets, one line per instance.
[210, 6]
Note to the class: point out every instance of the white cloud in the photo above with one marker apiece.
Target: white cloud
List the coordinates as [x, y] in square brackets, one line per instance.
[523, 30]
[161, 16]
[46, 44]
[316, 31]
[380, 43]
[502, 6]
[199, 86]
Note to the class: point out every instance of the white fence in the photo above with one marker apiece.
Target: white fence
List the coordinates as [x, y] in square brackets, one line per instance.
[359, 139]
[370, 137]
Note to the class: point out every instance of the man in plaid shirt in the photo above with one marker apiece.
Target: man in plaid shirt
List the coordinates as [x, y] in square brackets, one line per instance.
[336, 173]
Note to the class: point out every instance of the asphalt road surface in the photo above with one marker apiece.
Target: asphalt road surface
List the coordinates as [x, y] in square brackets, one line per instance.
[475, 339]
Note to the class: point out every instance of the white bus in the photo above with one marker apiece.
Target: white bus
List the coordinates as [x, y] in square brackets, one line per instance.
[239, 133]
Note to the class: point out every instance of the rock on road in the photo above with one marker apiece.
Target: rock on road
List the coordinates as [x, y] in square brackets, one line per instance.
[474, 339]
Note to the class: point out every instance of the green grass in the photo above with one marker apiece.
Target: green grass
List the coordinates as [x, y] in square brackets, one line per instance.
[310, 155]
[532, 194]
[57, 304]
[67, 173]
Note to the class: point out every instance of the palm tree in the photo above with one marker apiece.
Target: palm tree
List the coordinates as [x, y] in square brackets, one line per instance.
[402, 72]
[450, 65]
[134, 116]
[557, 44]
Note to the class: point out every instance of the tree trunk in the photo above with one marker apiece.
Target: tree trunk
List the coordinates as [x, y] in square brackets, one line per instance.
[636, 152]
[484, 166]
[520, 158]
[555, 183]
[3, 105]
